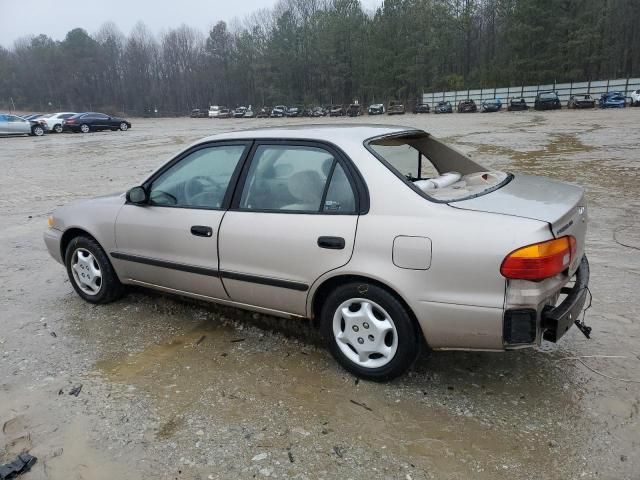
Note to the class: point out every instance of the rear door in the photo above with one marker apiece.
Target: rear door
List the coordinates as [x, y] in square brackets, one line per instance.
[172, 241]
[293, 218]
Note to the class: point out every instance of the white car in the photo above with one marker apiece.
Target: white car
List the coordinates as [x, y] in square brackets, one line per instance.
[55, 120]
[214, 111]
[635, 98]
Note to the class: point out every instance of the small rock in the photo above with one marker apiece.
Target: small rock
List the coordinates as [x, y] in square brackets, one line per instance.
[623, 458]
[200, 433]
[259, 457]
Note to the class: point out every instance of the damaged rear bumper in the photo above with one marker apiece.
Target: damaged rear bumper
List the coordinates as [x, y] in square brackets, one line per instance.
[556, 321]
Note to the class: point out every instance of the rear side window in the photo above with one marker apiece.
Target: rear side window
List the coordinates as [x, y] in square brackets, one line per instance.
[288, 178]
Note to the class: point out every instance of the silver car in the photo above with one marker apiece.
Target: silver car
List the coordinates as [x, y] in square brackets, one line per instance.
[384, 236]
[15, 125]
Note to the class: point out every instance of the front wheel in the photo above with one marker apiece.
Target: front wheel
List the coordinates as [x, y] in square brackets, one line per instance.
[124, 127]
[369, 332]
[37, 130]
[91, 272]
[57, 128]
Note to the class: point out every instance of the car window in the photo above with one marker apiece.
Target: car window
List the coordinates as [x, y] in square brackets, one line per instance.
[13, 118]
[340, 197]
[65, 115]
[100, 116]
[404, 158]
[294, 178]
[199, 180]
[3, 118]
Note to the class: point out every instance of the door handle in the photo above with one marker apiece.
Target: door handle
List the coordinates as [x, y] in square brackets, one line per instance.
[333, 243]
[201, 231]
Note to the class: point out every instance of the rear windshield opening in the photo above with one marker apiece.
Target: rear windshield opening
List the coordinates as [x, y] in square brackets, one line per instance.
[434, 169]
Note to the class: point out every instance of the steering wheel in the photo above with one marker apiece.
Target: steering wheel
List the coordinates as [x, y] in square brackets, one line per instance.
[203, 191]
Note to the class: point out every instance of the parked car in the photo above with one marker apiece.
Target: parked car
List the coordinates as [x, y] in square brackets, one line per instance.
[491, 105]
[239, 112]
[214, 111]
[278, 111]
[53, 121]
[294, 111]
[264, 112]
[93, 121]
[32, 116]
[547, 101]
[336, 111]
[354, 110]
[612, 100]
[395, 108]
[318, 112]
[467, 106]
[581, 101]
[486, 275]
[635, 98]
[197, 113]
[422, 108]
[376, 109]
[443, 107]
[249, 113]
[224, 112]
[15, 125]
[517, 104]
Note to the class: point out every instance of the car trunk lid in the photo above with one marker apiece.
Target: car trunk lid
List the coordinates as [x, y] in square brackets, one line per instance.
[559, 204]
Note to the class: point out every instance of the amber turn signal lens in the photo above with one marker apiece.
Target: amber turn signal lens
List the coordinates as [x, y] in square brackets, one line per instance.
[50, 221]
[540, 260]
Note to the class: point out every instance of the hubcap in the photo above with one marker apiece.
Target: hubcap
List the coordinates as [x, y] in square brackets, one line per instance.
[86, 271]
[84, 128]
[365, 333]
[58, 129]
[123, 126]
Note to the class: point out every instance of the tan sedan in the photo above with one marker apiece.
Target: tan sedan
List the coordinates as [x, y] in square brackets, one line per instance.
[386, 237]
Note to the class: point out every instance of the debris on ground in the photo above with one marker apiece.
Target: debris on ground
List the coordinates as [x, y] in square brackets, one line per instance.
[20, 465]
[75, 391]
[363, 405]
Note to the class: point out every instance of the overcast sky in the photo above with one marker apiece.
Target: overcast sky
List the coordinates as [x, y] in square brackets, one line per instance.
[19, 18]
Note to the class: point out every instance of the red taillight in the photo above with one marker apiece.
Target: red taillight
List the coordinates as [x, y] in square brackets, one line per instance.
[70, 120]
[540, 260]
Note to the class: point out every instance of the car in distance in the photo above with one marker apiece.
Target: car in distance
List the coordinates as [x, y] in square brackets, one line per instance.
[581, 101]
[376, 109]
[547, 101]
[54, 120]
[295, 111]
[221, 222]
[318, 112]
[264, 112]
[491, 105]
[93, 121]
[612, 100]
[15, 125]
[197, 113]
[239, 112]
[336, 111]
[421, 108]
[278, 111]
[635, 98]
[467, 106]
[443, 107]
[214, 111]
[517, 104]
[354, 110]
[395, 108]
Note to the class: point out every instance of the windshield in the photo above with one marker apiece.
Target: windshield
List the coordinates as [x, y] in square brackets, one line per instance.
[434, 169]
[548, 96]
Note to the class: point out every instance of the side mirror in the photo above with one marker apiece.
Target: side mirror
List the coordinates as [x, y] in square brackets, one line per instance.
[137, 196]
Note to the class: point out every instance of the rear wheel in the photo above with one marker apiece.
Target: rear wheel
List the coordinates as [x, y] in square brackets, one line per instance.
[124, 126]
[57, 128]
[369, 332]
[37, 130]
[91, 272]
[84, 128]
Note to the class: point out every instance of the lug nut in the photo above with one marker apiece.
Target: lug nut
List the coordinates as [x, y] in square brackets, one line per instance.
[355, 328]
[365, 325]
[360, 340]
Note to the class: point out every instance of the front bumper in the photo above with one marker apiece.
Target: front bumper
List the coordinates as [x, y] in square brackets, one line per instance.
[556, 321]
[52, 238]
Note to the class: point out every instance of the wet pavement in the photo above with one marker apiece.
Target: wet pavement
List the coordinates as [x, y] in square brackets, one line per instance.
[183, 390]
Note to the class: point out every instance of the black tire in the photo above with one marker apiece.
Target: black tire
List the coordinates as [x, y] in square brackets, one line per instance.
[110, 289]
[37, 130]
[57, 128]
[408, 333]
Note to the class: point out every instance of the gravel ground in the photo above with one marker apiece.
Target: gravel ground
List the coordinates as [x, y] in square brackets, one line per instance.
[182, 390]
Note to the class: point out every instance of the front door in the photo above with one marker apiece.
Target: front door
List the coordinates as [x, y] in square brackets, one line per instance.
[293, 218]
[172, 241]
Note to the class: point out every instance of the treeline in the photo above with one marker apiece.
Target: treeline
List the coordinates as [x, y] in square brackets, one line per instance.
[325, 51]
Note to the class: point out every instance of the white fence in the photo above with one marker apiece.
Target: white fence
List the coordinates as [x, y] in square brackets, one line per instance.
[564, 90]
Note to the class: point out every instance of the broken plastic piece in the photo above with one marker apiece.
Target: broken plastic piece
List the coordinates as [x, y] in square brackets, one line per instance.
[20, 465]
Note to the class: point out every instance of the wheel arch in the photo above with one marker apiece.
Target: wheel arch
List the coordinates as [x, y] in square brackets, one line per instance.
[323, 290]
[72, 233]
